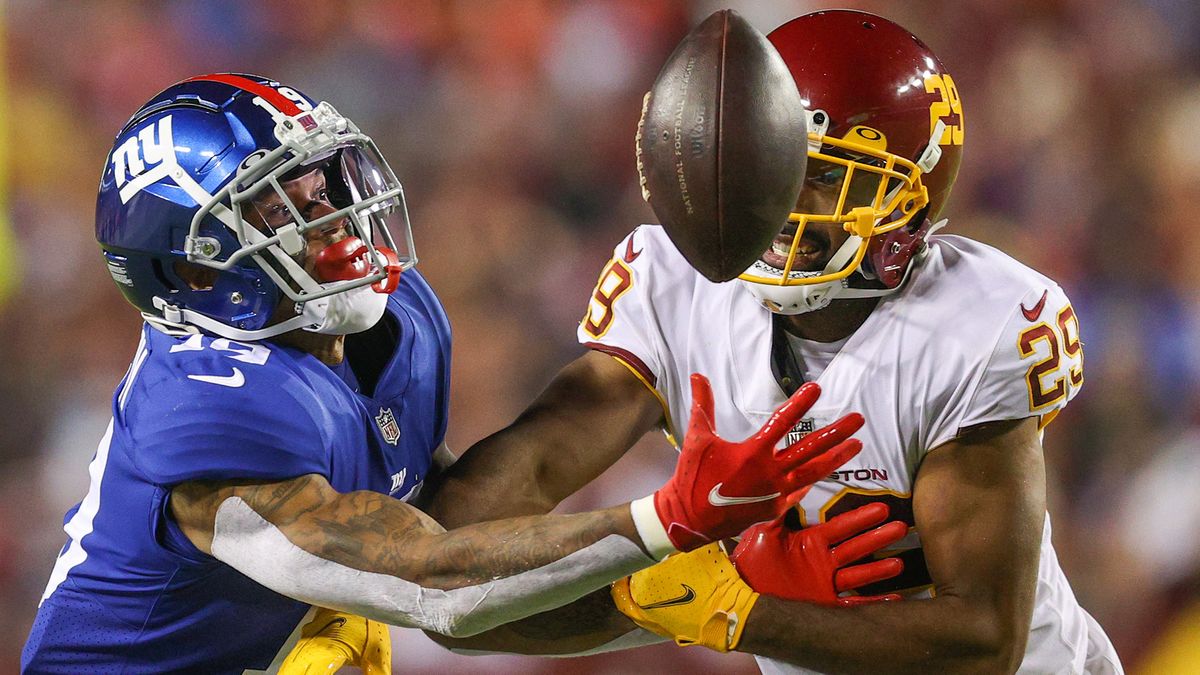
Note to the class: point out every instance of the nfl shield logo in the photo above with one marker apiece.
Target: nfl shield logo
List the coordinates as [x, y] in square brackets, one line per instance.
[388, 426]
[803, 428]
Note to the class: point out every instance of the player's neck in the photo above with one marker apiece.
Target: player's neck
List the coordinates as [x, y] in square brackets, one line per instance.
[837, 321]
[329, 349]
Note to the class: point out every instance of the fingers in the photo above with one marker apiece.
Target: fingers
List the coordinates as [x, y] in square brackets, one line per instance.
[850, 523]
[857, 576]
[787, 415]
[702, 405]
[793, 499]
[811, 469]
[866, 544]
[868, 599]
[827, 436]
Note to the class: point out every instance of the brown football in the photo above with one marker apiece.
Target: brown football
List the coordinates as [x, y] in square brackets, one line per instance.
[722, 145]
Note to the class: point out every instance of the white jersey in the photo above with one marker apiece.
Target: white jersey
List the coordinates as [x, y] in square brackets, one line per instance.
[973, 337]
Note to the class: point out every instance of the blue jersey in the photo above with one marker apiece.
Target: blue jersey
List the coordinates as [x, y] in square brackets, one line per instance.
[129, 592]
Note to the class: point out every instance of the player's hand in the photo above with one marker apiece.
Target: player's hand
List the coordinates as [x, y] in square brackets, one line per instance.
[694, 598]
[333, 639]
[721, 487]
[813, 564]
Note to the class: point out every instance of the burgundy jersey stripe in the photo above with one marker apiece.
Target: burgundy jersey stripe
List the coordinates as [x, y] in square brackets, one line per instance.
[626, 356]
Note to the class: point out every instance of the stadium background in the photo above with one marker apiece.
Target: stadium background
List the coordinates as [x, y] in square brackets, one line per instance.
[511, 125]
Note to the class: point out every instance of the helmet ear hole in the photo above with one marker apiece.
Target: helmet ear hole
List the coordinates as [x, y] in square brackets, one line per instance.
[197, 277]
[161, 275]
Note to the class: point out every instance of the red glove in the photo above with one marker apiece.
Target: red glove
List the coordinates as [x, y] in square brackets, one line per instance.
[775, 559]
[719, 487]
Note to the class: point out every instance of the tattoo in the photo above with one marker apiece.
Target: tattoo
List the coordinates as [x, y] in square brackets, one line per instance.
[376, 533]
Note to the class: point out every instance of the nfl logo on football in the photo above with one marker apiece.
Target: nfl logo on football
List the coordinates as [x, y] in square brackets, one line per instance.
[803, 428]
[390, 428]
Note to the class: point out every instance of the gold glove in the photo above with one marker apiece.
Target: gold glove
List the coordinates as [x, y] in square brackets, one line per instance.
[695, 598]
[332, 639]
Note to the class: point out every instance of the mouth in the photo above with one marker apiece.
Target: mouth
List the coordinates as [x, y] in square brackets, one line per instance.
[812, 251]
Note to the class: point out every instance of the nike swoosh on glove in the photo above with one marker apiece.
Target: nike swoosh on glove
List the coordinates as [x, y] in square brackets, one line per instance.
[721, 487]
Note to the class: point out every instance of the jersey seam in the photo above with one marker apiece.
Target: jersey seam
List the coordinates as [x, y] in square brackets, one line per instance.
[154, 605]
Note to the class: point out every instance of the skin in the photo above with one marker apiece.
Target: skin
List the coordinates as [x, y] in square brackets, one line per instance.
[376, 533]
[839, 321]
[365, 530]
[310, 196]
[532, 465]
[979, 503]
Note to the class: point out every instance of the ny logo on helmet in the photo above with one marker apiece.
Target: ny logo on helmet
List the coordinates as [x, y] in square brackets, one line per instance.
[144, 158]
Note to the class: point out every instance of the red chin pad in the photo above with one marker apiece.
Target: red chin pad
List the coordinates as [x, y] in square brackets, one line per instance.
[392, 281]
[350, 259]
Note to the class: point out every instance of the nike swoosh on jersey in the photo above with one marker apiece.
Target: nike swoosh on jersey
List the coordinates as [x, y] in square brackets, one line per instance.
[717, 499]
[1032, 313]
[688, 596]
[235, 380]
[630, 255]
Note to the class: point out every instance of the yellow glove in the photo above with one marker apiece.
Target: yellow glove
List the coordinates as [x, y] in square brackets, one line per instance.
[332, 639]
[695, 598]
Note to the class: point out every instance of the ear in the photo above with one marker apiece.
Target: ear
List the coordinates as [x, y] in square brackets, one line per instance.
[197, 277]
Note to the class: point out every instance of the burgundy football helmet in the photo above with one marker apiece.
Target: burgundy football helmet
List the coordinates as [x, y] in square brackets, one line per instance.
[885, 135]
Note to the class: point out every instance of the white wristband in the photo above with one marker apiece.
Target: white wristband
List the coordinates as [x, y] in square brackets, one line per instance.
[650, 528]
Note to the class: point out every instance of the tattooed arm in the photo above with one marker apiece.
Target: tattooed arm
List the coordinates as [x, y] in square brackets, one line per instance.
[371, 555]
[593, 411]
[379, 557]
[376, 533]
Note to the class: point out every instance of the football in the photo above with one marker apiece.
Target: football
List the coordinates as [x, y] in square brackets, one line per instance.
[722, 145]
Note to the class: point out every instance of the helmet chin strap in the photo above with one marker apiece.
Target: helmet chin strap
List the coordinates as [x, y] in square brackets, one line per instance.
[813, 297]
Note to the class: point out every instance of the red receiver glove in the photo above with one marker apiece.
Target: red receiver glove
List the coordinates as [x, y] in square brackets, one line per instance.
[803, 564]
[719, 487]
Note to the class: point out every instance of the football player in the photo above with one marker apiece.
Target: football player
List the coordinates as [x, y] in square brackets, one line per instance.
[958, 356]
[259, 461]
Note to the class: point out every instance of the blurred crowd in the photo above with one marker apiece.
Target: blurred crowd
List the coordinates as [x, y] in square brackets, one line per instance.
[511, 125]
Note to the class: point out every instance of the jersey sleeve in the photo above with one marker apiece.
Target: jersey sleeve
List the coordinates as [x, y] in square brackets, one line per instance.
[1034, 368]
[185, 430]
[620, 319]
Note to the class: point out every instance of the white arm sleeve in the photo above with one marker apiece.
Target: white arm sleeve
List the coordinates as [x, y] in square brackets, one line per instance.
[255, 547]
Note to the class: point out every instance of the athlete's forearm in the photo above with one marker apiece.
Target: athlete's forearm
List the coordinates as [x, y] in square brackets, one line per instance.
[375, 556]
[946, 634]
[375, 533]
[589, 416]
[587, 624]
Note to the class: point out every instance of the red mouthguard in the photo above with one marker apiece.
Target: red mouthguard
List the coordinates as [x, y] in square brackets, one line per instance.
[350, 259]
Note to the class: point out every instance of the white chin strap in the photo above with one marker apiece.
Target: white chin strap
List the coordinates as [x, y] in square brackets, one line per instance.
[801, 299]
[353, 311]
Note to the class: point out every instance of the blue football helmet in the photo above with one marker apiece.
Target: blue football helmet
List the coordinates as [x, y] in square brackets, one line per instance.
[192, 163]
